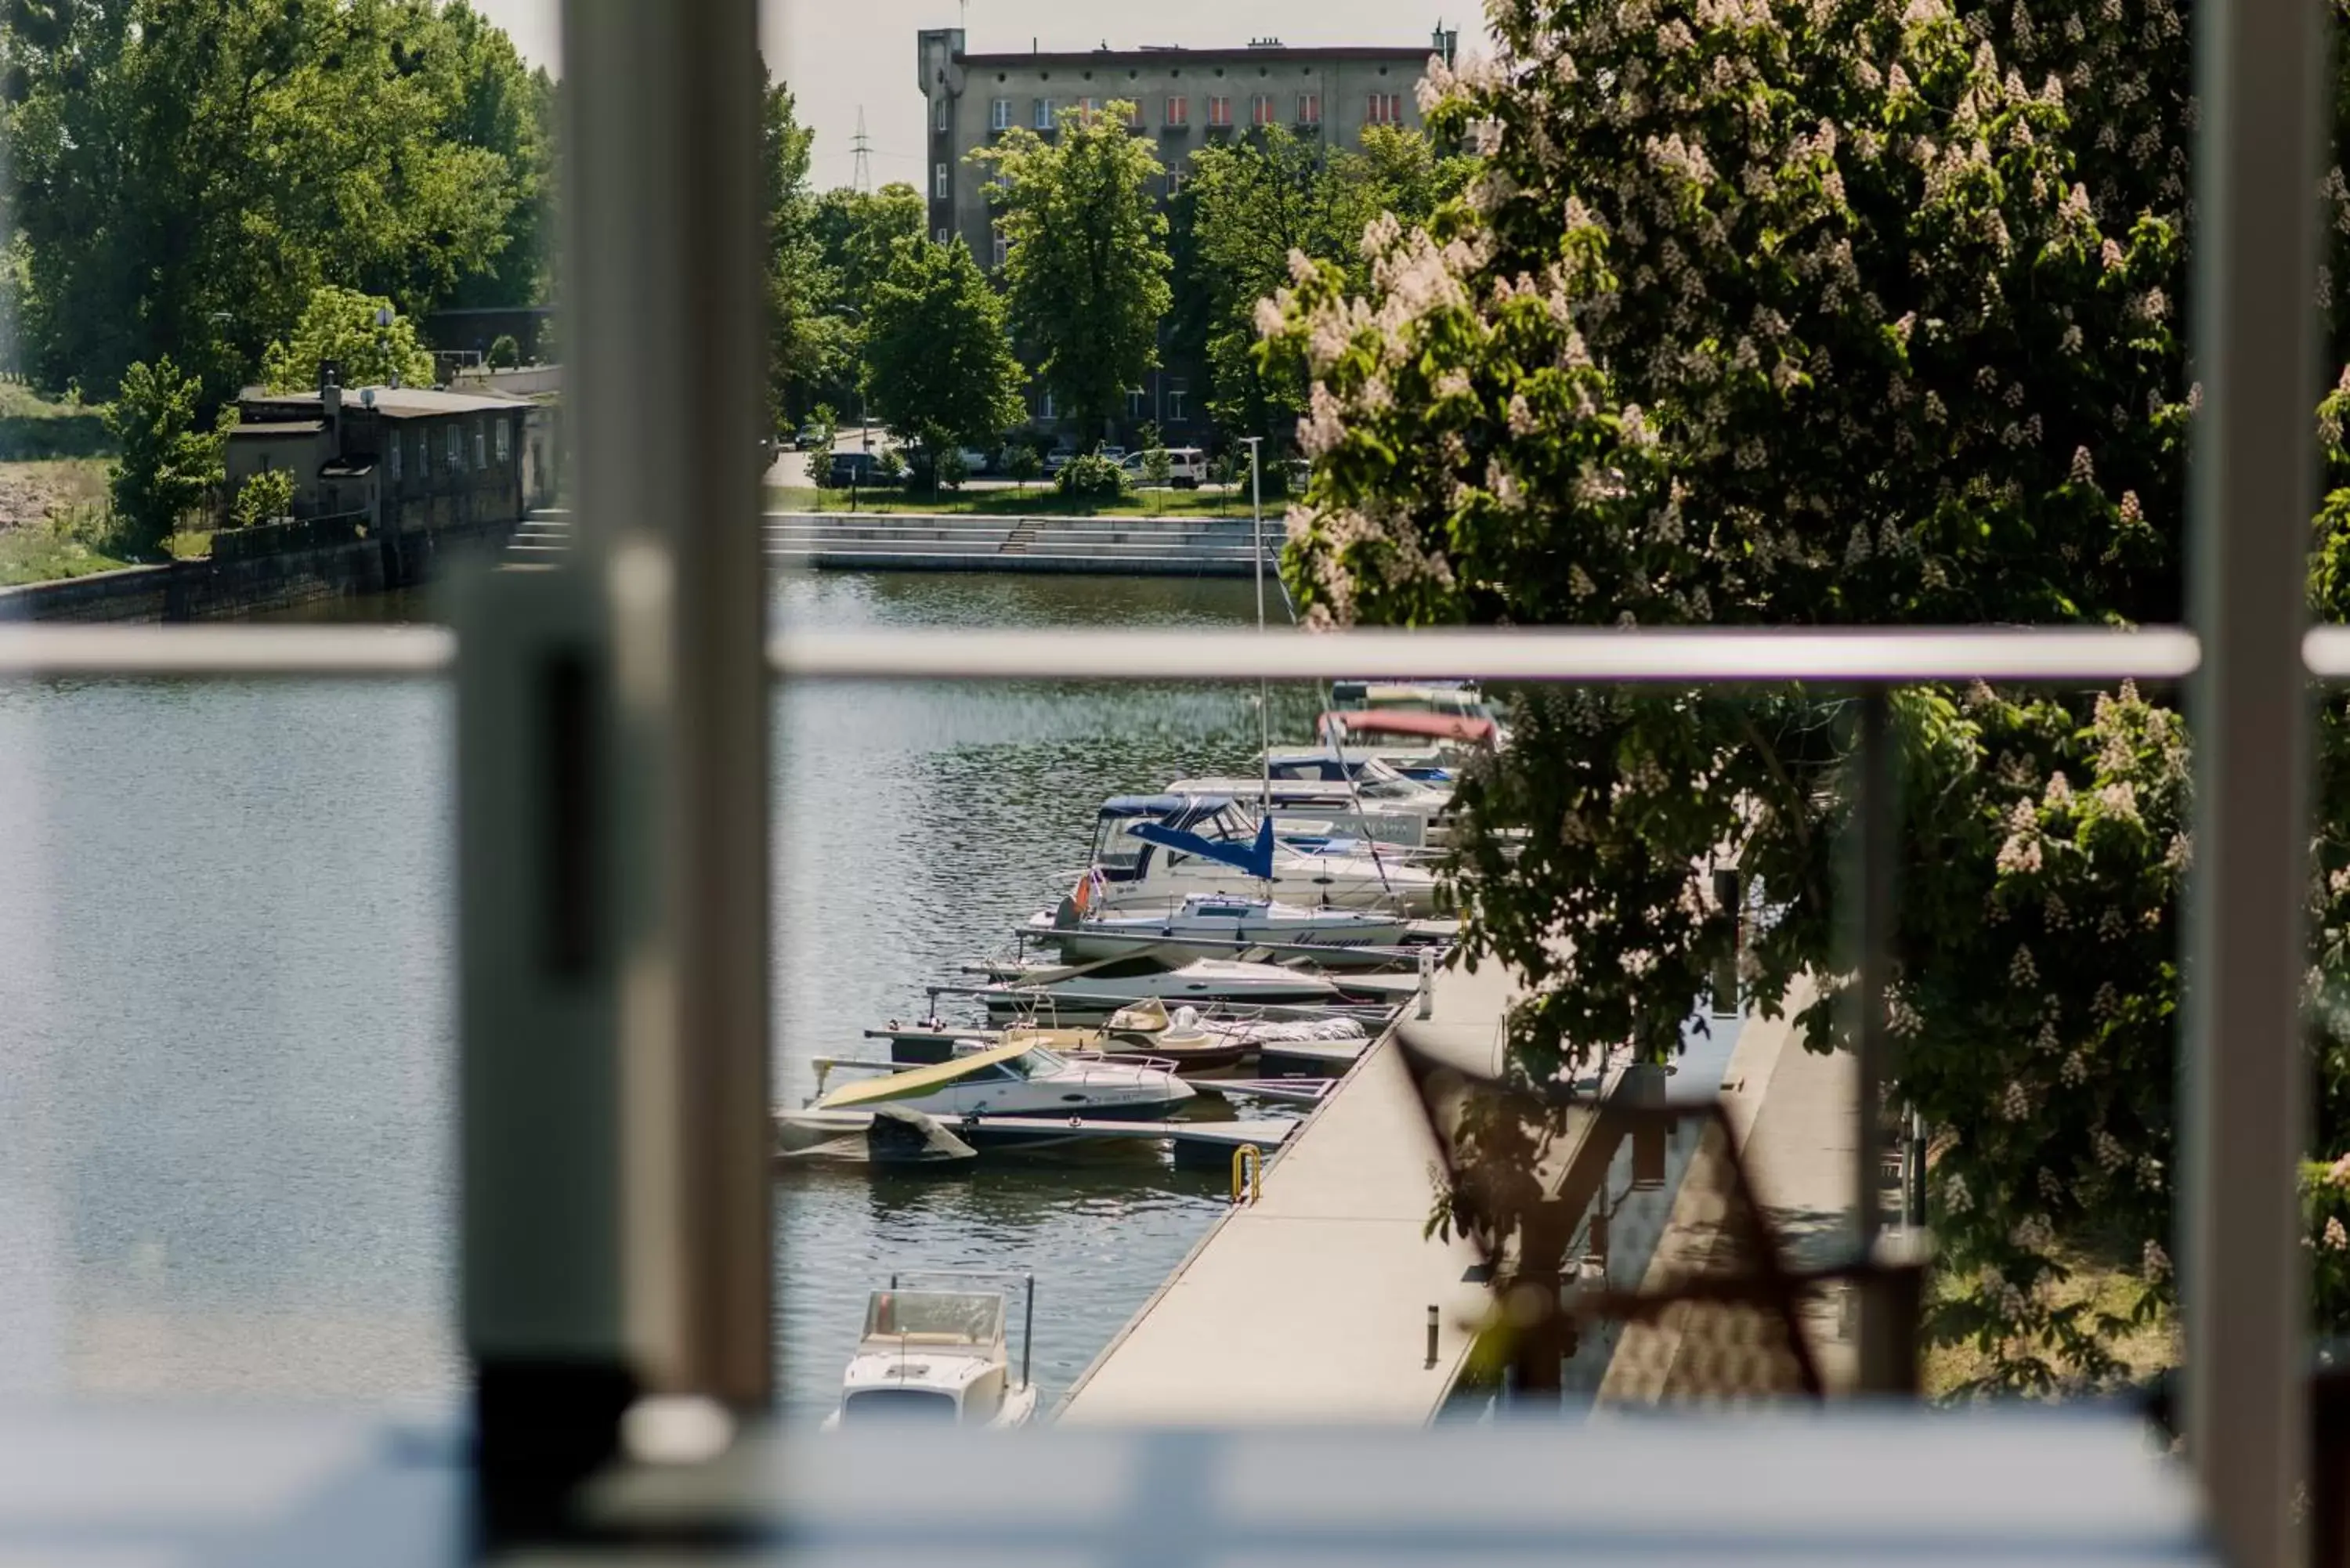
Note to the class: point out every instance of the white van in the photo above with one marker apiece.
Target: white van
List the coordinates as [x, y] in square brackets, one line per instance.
[1187, 466]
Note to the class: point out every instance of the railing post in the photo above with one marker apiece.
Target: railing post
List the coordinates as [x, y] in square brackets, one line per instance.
[2259, 65]
[667, 397]
[1887, 1333]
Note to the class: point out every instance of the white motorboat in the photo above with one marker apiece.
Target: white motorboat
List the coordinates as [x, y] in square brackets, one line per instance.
[1154, 851]
[1107, 985]
[937, 1357]
[1312, 807]
[1018, 1079]
[1216, 922]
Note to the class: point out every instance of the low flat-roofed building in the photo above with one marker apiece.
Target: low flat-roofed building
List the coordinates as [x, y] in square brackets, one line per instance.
[410, 458]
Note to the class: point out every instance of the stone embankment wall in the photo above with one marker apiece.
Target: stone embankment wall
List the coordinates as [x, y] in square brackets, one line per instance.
[217, 590]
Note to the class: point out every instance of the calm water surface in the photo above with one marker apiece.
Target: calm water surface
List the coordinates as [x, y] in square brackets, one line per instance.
[226, 981]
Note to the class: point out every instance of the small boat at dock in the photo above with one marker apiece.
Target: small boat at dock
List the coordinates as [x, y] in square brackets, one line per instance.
[1212, 924]
[1014, 1079]
[937, 1357]
[1108, 985]
[1156, 850]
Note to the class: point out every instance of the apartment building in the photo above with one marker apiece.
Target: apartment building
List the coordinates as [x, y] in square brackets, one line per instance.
[1184, 99]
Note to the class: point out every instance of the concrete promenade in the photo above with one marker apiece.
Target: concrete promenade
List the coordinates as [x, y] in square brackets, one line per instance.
[1113, 546]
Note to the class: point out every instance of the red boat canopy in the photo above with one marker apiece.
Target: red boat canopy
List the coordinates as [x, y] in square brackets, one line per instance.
[1389, 722]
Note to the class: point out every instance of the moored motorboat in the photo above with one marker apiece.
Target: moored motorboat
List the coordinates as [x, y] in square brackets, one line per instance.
[1102, 987]
[1152, 851]
[938, 1357]
[1083, 929]
[1014, 1079]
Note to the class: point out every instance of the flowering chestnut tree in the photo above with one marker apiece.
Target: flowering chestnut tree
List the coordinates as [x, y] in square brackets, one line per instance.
[1808, 313]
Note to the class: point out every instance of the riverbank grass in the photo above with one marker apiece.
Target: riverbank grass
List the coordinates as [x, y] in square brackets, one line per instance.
[50, 513]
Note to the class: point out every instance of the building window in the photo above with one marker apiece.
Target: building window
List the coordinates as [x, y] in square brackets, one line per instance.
[1309, 108]
[456, 450]
[1386, 109]
[505, 439]
[1174, 182]
[1045, 407]
[423, 456]
[999, 115]
[944, 115]
[1176, 393]
[999, 247]
[1220, 111]
[1134, 115]
[481, 448]
[392, 460]
[1260, 109]
[1178, 110]
[940, 233]
[1134, 396]
[1088, 108]
[1043, 121]
[946, 173]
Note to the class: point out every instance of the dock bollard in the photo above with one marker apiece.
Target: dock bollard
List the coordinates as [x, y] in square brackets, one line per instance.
[1431, 1335]
[1248, 1173]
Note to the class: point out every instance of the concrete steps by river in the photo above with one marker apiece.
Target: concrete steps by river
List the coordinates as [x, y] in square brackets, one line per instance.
[874, 541]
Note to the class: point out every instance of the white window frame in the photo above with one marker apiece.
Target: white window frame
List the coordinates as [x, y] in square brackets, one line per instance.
[999, 114]
[1043, 113]
[456, 448]
[505, 439]
[999, 245]
[942, 179]
[1177, 110]
[1220, 111]
[1309, 108]
[391, 458]
[481, 446]
[1260, 111]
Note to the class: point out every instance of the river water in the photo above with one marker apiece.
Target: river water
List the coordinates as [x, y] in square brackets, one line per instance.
[226, 1001]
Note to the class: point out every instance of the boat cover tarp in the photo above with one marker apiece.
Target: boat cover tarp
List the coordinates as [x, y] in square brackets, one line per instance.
[1254, 858]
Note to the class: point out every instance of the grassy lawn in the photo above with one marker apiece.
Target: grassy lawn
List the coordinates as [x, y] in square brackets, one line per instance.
[1037, 500]
[46, 510]
[45, 552]
[32, 426]
[2113, 1287]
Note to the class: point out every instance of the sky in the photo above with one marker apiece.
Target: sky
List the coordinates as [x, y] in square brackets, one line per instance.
[839, 57]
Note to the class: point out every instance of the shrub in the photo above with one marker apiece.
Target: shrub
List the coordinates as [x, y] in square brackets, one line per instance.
[504, 352]
[263, 497]
[1091, 476]
[890, 468]
[1020, 461]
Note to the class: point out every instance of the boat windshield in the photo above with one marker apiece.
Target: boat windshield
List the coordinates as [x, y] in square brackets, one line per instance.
[1115, 849]
[872, 1406]
[935, 1317]
[1034, 1063]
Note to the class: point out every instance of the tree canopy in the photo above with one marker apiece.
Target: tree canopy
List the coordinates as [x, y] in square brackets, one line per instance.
[187, 171]
[372, 345]
[1249, 205]
[938, 359]
[168, 461]
[1856, 314]
[806, 347]
[1087, 270]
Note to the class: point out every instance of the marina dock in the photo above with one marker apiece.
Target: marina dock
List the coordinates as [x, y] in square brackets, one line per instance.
[1311, 1304]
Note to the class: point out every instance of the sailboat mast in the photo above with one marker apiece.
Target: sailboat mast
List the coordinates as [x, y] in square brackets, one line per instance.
[1264, 687]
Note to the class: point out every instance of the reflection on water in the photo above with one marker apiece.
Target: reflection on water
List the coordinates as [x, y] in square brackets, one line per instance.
[226, 1011]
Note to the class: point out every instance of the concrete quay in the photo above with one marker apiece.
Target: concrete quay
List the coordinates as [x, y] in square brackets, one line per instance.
[1312, 1304]
[953, 542]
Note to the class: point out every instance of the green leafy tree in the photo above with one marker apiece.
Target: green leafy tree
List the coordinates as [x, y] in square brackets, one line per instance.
[819, 450]
[855, 233]
[1252, 205]
[1087, 274]
[938, 359]
[1836, 317]
[168, 463]
[374, 344]
[187, 171]
[1021, 463]
[806, 347]
[263, 497]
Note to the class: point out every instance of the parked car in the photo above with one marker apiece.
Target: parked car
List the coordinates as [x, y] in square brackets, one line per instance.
[810, 433]
[1187, 466]
[856, 468]
[1058, 458]
[1115, 454]
[976, 461]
